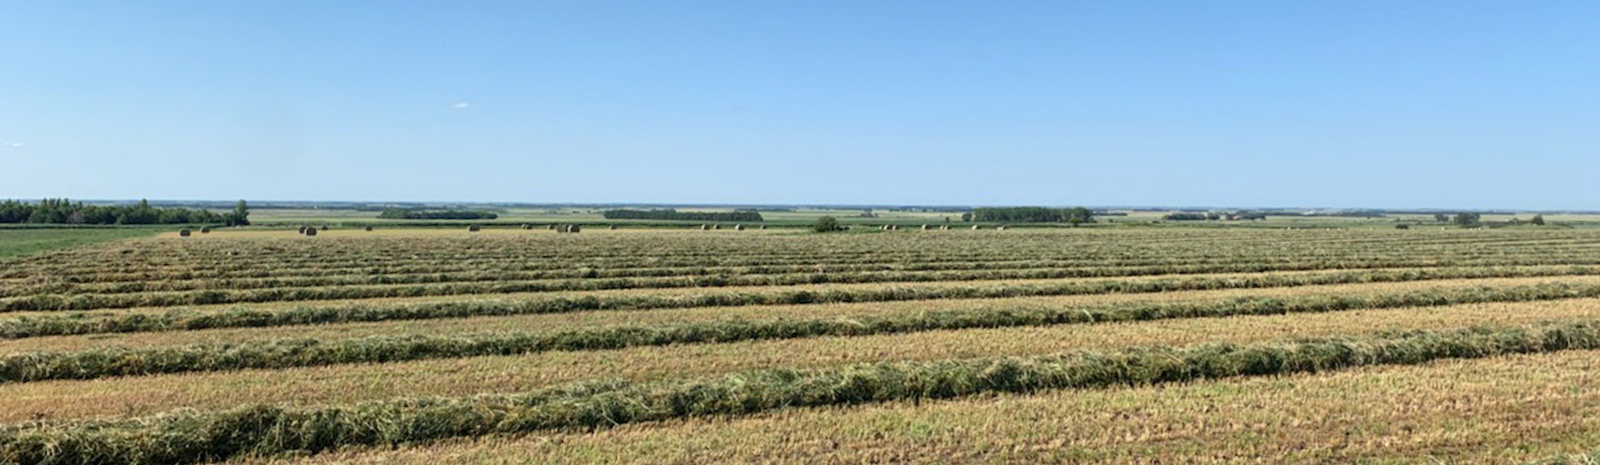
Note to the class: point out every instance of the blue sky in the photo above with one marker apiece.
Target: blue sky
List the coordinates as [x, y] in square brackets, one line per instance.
[1449, 104]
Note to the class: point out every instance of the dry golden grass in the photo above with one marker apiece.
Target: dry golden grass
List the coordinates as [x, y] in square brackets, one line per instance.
[1500, 410]
[560, 321]
[664, 292]
[1478, 411]
[461, 231]
[118, 397]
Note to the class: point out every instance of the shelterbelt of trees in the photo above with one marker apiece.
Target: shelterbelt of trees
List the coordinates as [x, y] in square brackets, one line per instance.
[671, 214]
[64, 211]
[1073, 215]
[409, 214]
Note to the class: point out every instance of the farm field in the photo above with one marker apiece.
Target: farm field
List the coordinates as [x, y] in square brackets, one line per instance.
[1086, 345]
[22, 241]
[798, 217]
[803, 217]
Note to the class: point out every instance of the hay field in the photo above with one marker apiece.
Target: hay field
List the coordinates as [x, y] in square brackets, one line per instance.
[629, 346]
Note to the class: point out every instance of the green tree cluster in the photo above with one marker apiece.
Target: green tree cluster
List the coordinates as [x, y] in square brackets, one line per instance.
[409, 214]
[1075, 215]
[1189, 216]
[240, 216]
[64, 211]
[671, 214]
[826, 224]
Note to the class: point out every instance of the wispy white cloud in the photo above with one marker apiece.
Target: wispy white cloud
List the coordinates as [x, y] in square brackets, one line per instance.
[460, 106]
[13, 145]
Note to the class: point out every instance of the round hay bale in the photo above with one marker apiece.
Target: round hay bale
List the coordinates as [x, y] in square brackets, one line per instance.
[205, 230]
[976, 227]
[704, 227]
[924, 227]
[738, 227]
[944, 228]
[473, 228]
[763, 226]
[369, 228]
[716, 226]
[183, 233]
[1402, 226]
[302, 230]
[613, 227]
[310, 231]
[1001, 228]
[527, 226]
[552, 227]
[572, 228]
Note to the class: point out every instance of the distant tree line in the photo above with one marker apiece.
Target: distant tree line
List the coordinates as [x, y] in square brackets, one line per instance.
[1074, 215]
[1200, 216]
[410, 214]
[1189, 216]
[1338, 213]
[64, 211]
[671, 214]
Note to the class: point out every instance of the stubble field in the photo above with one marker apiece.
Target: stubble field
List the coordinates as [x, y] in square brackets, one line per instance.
[1061, 346]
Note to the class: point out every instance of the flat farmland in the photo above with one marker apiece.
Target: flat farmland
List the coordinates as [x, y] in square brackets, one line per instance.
[1187, 345]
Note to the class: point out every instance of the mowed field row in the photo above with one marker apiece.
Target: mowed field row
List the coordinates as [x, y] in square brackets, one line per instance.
[793, 274]
[160, 259]
[66, 281]
[96, 269]
[689, 357]
[1502, 410]
[356, 310]
[109, 361]
[150, 394]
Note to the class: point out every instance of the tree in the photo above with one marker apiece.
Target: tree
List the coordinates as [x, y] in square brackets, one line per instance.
[1442, 218]
[1538, 220]
[671, 214]
[409, 214]
[826, 224]
[1466, 220]
[240, 215]
[1186, 216]
[1079, 215]
[57, 211]
[966, 217]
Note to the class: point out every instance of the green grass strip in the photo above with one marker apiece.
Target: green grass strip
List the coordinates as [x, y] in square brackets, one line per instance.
[302, 352]
[190, 437]
[23, 242]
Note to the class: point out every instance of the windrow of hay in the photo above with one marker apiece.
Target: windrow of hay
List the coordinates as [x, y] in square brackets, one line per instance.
[167, 260]
[43, 302]
[190, 437]
[285, 353]
[880, 272]
[111, 322]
